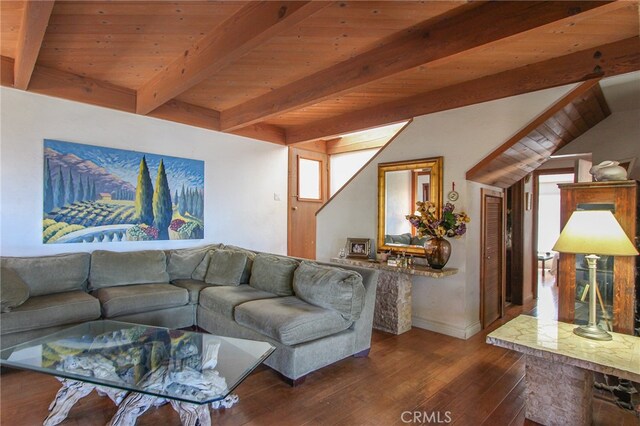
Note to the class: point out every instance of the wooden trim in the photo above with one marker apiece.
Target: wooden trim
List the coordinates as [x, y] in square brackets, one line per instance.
[615, 58]
[578, 91]
[250, 27]
[426, 43]
[517, 201]
[371, 160]
[35, 19]
[535, 217]
[484, 192]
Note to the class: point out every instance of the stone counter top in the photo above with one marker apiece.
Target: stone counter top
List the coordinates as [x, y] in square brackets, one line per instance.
[556, 342]
[419, 270]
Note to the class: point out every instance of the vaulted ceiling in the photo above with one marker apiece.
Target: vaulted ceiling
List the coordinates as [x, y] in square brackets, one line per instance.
[293, 72]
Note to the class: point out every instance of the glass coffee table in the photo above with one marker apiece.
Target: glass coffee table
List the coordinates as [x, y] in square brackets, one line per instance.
[140, 366]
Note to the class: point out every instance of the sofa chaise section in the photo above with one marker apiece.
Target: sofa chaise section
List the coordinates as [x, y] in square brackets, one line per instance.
[307, 336]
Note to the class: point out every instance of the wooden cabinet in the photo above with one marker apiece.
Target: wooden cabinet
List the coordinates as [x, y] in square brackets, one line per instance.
[617, 276]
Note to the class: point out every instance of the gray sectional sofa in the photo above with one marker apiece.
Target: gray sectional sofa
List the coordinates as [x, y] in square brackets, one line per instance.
[315, 314]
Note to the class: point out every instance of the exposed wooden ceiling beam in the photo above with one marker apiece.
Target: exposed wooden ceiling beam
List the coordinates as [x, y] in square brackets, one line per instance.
[65, 85]
[482, 171]
[35, 19]
[264, 132]
[426, 43]
[602, 61]
[254, 24]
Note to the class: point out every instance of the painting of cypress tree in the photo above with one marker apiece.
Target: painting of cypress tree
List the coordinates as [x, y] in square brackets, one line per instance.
[162, 206]
[144, 195]
[58, 194]
[100, 194]
[80, 194]
[182, 203]
[70, 191]
[48, 188]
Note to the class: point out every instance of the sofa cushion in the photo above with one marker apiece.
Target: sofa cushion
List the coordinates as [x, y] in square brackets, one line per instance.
[182, 262]
[331, 288]
[200, 272]
[247, 269]
[290, 320]
[223, 299]
[226, 267]
[110, 269]
[13, 290]
[50, 311]
[193, 287]
[131, 299]
[273, 274]
[51, 274]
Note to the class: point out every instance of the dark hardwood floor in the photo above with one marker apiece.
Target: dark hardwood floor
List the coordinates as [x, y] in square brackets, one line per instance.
[468, 382]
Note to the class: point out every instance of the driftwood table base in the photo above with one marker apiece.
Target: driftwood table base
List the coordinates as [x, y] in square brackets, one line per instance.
[131, 405]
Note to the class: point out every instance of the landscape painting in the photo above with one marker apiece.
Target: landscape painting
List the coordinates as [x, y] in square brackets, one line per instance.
[98, 194]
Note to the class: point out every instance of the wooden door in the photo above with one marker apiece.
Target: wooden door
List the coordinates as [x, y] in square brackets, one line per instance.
[492, 261]
[308, 178]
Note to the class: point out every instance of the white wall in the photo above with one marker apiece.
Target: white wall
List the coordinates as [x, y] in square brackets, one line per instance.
[344, 166]
[241, 174]
[617, 137]
[463, 136]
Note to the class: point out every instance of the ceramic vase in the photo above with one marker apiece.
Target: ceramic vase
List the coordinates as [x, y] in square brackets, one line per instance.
[437, 252]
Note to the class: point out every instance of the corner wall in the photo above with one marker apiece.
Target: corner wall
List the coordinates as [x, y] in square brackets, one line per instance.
[241, 174]
[463, 137]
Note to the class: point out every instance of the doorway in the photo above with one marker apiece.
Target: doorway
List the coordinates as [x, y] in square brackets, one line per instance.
[492, 258]
[308, 187]
[547, 231]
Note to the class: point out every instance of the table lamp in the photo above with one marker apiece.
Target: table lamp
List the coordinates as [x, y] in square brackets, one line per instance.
[593, 232]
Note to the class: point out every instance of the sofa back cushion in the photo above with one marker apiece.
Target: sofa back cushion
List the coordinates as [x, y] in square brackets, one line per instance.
[273, 274]
[246, 274]
[201, 270]
[51, 274]
[13, 290]
[182, 262]
[110, 269]
[225, 267]
[330, 288]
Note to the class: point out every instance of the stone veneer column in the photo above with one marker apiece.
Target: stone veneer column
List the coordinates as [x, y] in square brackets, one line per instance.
[393, 303]
[558, 394]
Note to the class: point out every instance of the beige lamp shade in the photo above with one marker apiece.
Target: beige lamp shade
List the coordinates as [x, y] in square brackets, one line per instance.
[594, 232]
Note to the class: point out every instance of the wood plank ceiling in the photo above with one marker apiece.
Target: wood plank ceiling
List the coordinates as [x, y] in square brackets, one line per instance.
[564, 121]
[293, 72]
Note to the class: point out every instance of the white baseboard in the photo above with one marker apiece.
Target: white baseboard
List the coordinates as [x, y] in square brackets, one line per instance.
[448, 329]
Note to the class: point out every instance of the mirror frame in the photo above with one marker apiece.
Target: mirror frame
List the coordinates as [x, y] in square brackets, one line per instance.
[435, 189]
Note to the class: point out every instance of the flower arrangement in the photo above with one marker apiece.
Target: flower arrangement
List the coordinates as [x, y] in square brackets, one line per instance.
[449, 224]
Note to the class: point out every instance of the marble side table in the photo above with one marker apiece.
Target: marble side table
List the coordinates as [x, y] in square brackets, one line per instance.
[392, 312]
[560, 366]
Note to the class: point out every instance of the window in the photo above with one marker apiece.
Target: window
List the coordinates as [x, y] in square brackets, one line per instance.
[309, 172]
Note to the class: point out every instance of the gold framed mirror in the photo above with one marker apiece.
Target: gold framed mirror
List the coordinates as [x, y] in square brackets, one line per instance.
[400, 186]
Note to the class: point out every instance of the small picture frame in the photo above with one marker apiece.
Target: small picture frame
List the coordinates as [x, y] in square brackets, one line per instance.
[358, 247]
